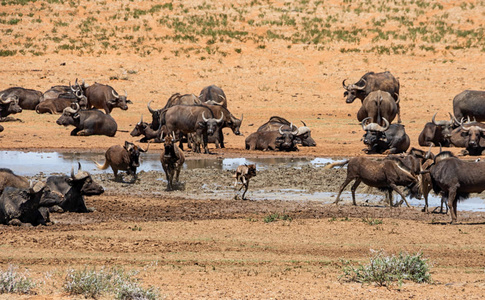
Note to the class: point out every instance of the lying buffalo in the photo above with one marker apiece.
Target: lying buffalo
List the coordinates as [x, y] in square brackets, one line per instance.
[471, 137]
[126, 158]
[145, 129]
[371, 82]
[28, 98]
[87, 122]
[105, 97]
[53, 106]
[27, 205]
[387, 138]
[303, 134]
[436, 133]
[9, 106]
[386, 175]
[213, 95]
[8, 178]
[284, 140]
[456, 179]
[73, 188]
[469, 104]
[378, 105]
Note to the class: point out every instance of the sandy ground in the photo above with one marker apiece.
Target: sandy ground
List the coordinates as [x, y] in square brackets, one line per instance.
[200, 243]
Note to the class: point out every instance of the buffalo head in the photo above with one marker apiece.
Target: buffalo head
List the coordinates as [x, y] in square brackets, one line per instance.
[373, 132]
[287, 139]
[211, 124]
[69, 115]
[353, 91]
[304, 135]
[11, 103]
[119, 100]
[89, 186]
[134, 153]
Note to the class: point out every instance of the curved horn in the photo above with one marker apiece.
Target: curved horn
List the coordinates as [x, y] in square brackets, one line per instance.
[364, 125]
[294, 132]
[72, 172]
[148, 146]
[115, 94]
[152, 111]
[141, 119]
[345, 86]
[433, 120]
[398, 98]
[386, 126]
[362, 87]
[222, 117]
[279, 130]
[72, 110]
[126, 94]
[303, 123]
[6, 101]
[79, 167]
[242, 116]
[463, 128]
[203, 117]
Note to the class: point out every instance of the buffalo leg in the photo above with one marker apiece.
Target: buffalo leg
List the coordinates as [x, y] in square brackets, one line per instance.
[452, 204]
[205, 142]
[342, 187]
[177, 173]
[394, 187]
[354, 188]
[221, 138]
[75, 131]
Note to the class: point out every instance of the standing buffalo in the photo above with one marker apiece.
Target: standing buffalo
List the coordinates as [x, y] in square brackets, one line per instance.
[436, 133]
[378, 105]
[175, 99]
[469, 104]
[9, 106]
[303, 134]
[27, 205]
[186, 119]
[73, 189]
[28, 98]
[456, 179]
[228, 120]
[126, 158]
[284, 140]
[213, 95]
[87, 122]
[105, 97]
[385, 175]
[391, 138]
[373, 82]
[172, 159]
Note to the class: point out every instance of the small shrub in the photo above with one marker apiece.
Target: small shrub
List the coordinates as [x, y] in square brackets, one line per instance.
[372, 221]
[13, 282]
[275, 217]
[384, 270]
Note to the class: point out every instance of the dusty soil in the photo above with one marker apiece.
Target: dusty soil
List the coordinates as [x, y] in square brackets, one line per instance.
[200, 242]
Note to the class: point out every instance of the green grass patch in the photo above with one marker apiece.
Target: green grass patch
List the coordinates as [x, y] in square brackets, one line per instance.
[12, 281]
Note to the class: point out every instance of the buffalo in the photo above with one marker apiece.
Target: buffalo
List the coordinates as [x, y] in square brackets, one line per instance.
[73, 188]
[53, 106]
[284, 140]
[74, 93]
[8, 178]
[105, 97]
[388, 138]
[436, 133]
[87, 122]
[28, 98]
[303, 134]
[186, 119]
[145, 129]
[172, 159]
[175, 99]
[30, 205]
[213, 95]
[456, 179]
[470, 136]
[469, 104]
[378, 105]
[371, 82]
[228, 120]
[386, 175]
[9, 106]
[126, 158]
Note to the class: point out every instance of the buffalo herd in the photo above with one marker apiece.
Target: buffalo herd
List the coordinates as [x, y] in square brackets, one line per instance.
[199, 120]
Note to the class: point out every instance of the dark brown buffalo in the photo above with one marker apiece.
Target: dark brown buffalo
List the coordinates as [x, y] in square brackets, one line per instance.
[470, 136]
[213, 95]
[9, 106]
[1, 128]
[27, 205]
[187, 119]
[28, 98]
[73, 188]
[469, 104]
[105, 97]
[386, 175]
[54, 106]
[283, 140]
[436, 133]
[8, 178]
[371, 82]
[74, 93]
[388, 138]
[456, 179]
[172, 159]
[378, 105]
[144, 128]
[126, 158]
[303, 134]
[87, 122]
[175, 99]
[228, 120]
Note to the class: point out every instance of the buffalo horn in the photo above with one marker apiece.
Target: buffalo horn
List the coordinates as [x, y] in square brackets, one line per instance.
[303, 123]
[115, 94]
[386, 126]
[463, 128]
[345, 86]
[72, 172]
[294, 132]
[220, 119]
[364, 125]
[126, 94]
[279, 129]
[398, 98]
[148, 146]
[242, 116]
[152, 111]
[6, 101]
[203, 117]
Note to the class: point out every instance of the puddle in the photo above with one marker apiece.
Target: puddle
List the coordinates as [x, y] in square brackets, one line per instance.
[33, 163]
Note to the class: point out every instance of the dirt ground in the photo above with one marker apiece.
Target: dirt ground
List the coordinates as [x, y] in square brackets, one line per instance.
[201, 243]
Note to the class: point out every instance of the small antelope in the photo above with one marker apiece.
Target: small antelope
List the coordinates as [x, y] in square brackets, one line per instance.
[244, 173]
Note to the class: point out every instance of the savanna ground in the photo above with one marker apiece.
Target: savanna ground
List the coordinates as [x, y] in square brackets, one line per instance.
[271, 58]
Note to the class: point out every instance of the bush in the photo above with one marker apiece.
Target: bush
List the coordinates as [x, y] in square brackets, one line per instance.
[92, 283]
[13, 282]
[383, 270]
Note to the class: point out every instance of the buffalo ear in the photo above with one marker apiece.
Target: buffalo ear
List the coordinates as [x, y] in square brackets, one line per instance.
[129, 102]
[202, 124]
[76, 116]
[482, 142]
